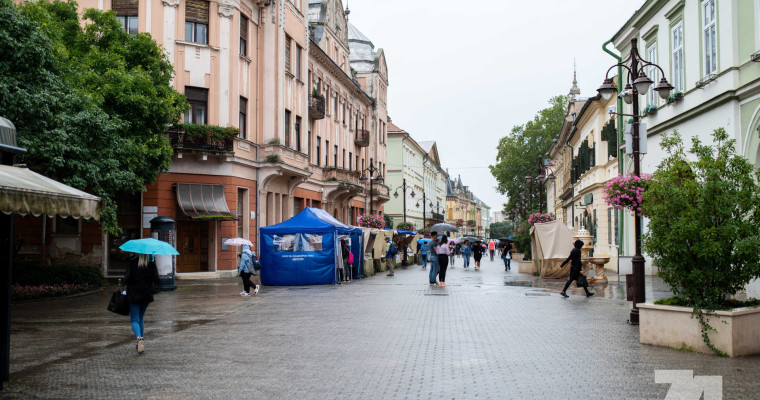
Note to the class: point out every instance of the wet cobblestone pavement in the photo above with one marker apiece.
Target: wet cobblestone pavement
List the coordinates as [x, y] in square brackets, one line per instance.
[490, 334]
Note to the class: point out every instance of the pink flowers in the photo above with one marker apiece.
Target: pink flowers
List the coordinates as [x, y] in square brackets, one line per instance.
[371, 221]
[19, 292]
[539, 218]
[626, 192]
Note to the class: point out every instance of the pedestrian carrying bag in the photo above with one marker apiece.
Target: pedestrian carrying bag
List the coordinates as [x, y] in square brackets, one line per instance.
[118, 303]
[256, 263]
[350, 257]
[581, 281]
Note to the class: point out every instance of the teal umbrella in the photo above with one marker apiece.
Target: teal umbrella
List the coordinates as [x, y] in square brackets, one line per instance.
[149, 246]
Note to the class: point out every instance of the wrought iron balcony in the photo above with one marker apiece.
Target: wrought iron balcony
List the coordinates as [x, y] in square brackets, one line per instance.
[180, 140]
[362, 138]
[316, 106]
[343, 175]
[470, 222]
[438, 217]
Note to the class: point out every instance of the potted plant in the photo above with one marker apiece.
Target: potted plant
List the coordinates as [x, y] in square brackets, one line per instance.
[626, 192]
[405, 226]
[703, 234]
[675, 96]
[650, 109]
[371, 221]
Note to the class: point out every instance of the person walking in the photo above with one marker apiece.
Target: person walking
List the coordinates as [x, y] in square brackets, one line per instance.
[390, 256]
[245, 271]
[506, 255]
[491, 248]
[347, 259]
[432, 252]
[477, 254]
[452, 254]
[575, 268]
[466, 253]
[443, 260]
[141, 279]
[423, 246]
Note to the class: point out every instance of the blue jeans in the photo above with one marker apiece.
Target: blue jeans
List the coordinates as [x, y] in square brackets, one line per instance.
[506, 262]
[433, 269]
[424, 260]
[466, 259]
[136, 314]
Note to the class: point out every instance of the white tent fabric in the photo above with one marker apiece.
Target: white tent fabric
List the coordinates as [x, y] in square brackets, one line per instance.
[551, 242]
[26, 192]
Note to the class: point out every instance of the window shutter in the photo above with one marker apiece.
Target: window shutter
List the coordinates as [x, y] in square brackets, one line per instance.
[196, 11]
[609, 133]
[196, 94]
[125, 7]
[244, 27]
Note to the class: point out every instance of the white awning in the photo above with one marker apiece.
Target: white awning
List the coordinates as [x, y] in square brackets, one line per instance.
[26, 192]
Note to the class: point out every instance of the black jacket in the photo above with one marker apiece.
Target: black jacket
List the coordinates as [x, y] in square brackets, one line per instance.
[141, 282]
[574, 259]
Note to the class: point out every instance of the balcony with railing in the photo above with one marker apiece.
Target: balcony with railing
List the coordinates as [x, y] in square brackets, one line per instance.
[362, 138]
[339, 174]
[470, 222]
[316, 106]
[438, 217]
[206, 139]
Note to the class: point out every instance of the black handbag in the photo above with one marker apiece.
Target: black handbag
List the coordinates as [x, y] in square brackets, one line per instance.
[581, 281]
[118, 303]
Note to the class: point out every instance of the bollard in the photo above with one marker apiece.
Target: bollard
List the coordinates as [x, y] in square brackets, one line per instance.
[629, 292]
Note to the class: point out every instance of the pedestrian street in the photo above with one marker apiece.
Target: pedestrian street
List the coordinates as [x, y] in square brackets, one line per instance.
[489, 334]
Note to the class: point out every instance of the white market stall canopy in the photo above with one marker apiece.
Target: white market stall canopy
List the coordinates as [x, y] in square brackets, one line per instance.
[26, 192]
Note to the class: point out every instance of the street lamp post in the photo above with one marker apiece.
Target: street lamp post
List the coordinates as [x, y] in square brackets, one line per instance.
[637, 83]
[371, 169]
[544, 173]
[403, 188]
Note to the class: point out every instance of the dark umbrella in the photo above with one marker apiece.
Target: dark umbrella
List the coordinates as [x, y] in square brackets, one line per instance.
[469, 239]
[442, 227]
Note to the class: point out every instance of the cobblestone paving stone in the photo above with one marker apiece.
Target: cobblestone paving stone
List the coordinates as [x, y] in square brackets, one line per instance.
[490, 334]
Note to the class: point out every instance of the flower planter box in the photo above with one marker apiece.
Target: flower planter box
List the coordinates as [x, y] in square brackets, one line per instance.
[526, 267]
[738, 331]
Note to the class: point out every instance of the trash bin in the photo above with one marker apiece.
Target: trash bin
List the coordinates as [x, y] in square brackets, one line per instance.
[162, 228]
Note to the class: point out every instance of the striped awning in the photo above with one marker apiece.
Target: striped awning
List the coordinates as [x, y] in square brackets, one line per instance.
[26, 192]
[200, 201]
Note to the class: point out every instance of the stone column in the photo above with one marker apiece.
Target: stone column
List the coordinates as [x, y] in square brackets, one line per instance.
[170, 17]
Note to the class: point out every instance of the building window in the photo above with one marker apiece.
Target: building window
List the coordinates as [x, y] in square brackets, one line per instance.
[709, 39]
[196, 21]
[677, 40]
[242, 199]
[652, 95]
[319, 160]
[335, 157]
[327, 153]
[198, 99]
[243, 35]
[298, 133]
[287, 54]
[335, 105]
[126, 13]
[242, 118]
[66, 225]
[350, 160]
[298, 62]
[344, 158]
[287, 128]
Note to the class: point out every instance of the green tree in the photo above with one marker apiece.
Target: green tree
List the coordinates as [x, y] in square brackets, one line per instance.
[519, 151]
[91, 103]
[704, 222]
[501, 229]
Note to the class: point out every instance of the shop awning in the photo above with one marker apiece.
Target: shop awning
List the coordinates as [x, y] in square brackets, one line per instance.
[202, 201]
[26, 192]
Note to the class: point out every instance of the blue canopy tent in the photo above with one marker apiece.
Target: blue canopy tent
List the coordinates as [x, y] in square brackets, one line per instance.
[302, 250]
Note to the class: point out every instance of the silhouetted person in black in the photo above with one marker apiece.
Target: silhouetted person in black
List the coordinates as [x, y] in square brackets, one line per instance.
[575, 268]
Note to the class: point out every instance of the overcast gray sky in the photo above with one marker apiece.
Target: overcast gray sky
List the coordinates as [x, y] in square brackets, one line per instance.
[463, 73]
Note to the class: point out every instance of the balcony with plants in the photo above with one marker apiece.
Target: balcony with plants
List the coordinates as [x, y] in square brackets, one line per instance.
[362, 138]
[316, 105]
[340, 174]
[202, 138]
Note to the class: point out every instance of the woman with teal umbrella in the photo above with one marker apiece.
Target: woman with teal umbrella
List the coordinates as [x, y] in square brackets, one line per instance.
[141, 279]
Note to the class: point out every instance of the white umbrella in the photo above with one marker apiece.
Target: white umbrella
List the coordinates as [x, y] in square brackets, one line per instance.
[238, 242]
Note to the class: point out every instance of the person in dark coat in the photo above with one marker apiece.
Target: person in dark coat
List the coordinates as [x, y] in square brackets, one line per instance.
[141, 279]
[575, 267]
[477, 254]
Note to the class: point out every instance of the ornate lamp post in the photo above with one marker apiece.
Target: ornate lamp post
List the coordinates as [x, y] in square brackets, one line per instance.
[543, 173]
[403, 188]
[371, 176]
[637, 83]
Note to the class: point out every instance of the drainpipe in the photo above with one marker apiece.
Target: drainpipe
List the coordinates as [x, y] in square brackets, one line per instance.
[620, 140]
[258, 216]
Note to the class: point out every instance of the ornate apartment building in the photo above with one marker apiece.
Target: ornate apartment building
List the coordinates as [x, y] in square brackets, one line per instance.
[282, 71]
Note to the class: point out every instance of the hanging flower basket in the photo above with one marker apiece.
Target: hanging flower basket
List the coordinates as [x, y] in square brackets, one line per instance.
[405, 226]
[625, 192]
[539, 218]
[371, 221]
